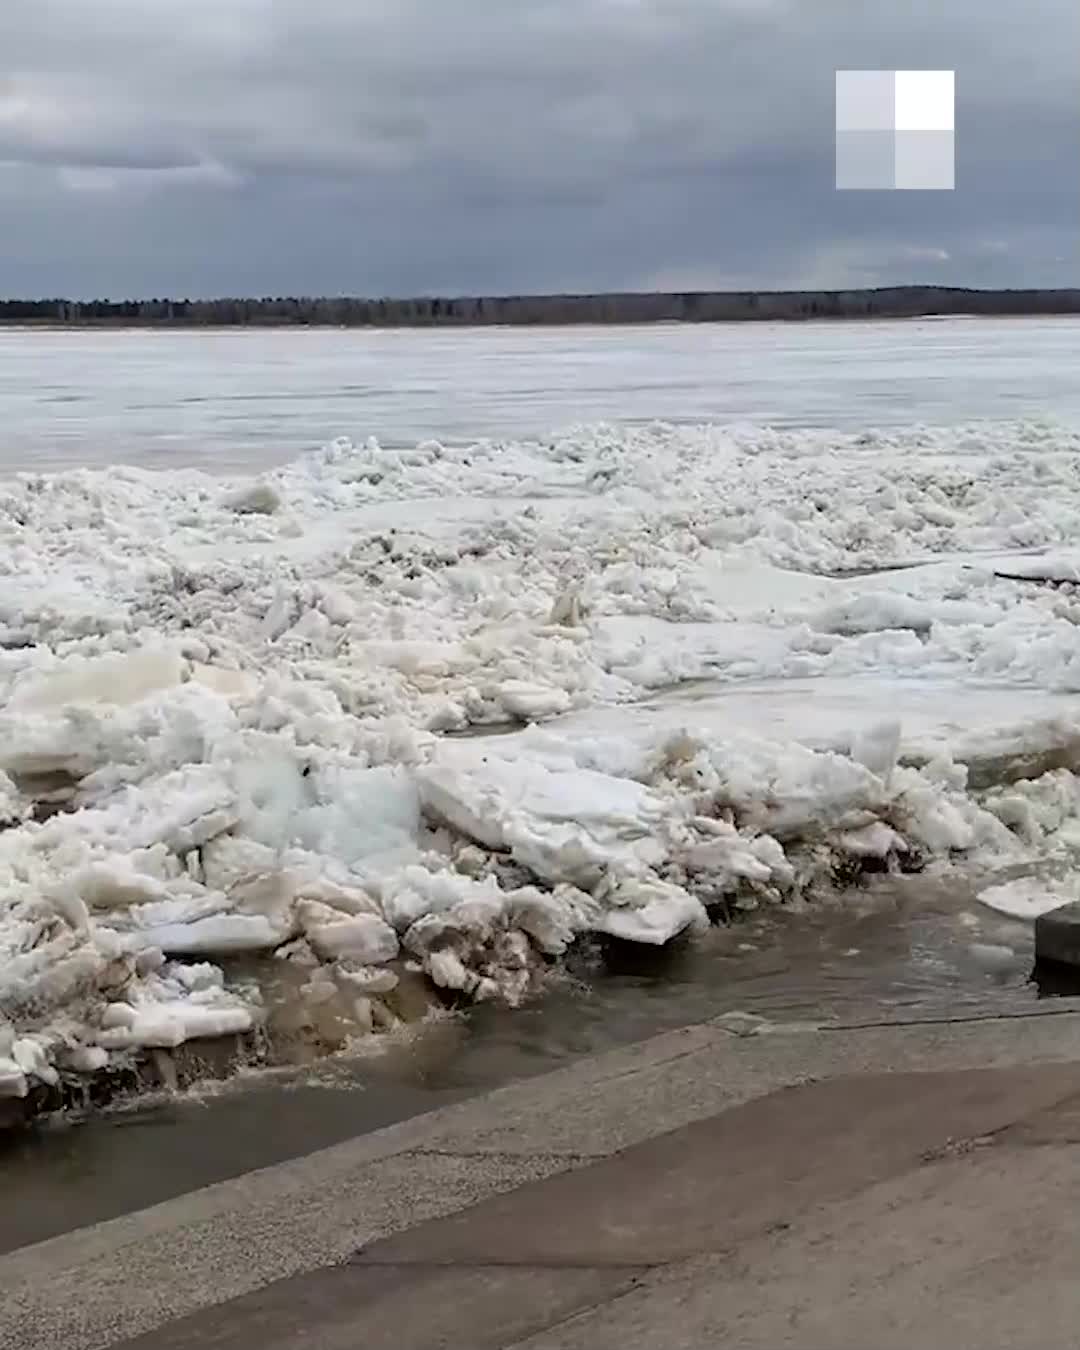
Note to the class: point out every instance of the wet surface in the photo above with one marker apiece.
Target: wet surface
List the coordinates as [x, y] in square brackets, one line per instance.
[930, 560]
[475, 730]
[900, 944]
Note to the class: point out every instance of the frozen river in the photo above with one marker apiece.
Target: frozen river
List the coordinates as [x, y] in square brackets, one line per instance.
[795, 608]
[227, 400]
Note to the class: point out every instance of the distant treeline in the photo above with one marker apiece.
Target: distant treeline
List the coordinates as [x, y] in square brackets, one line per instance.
[649, 307]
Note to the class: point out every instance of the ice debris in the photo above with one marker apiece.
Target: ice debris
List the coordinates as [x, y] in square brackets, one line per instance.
[224, 724]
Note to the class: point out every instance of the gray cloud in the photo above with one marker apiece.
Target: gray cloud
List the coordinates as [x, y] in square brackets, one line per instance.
[396, 146]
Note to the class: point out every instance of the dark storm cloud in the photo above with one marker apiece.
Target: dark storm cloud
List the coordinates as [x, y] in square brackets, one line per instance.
[395, 146]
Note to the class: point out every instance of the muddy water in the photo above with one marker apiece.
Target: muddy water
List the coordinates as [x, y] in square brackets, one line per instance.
[900, 944]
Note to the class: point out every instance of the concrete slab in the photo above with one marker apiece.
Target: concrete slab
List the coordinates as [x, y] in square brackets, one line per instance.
[89, 1288]
[114, 1290]
[516, 1264]
[350, 1307]
[709, 1185]
[1058, 1124]
[975, 1252]
[1057, 936]
[600, 1105]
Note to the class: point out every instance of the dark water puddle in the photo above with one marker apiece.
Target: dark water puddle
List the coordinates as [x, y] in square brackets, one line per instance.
[476, 730]
[910, 564]
[1052, 980]
[875, 569]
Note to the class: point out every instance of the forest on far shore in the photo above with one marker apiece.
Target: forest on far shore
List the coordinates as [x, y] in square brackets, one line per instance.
[630, 307]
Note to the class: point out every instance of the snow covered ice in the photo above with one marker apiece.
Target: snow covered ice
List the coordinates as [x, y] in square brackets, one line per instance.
[230, 710]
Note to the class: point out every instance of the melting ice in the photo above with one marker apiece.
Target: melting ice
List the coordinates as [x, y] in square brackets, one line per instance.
[229, 711]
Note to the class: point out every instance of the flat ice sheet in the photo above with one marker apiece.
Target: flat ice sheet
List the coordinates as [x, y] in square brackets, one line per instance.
[827, 712]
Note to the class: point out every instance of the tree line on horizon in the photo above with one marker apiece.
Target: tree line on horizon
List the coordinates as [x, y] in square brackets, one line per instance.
[634, 307]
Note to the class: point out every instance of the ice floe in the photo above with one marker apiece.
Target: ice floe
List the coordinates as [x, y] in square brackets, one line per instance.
[232, 713]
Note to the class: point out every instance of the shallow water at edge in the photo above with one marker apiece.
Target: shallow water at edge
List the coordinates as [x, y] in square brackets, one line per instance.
[913, 943]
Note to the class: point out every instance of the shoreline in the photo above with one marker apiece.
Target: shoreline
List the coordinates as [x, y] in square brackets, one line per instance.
[588, 1134]
[285, 326]
[556, 310]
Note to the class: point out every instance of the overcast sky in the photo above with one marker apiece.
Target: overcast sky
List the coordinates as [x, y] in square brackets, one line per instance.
[392, 147]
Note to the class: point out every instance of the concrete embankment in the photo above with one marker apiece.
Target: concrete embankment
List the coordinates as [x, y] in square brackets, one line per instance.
[733, 1183]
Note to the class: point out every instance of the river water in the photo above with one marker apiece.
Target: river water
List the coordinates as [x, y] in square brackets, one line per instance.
[231, 401]
[241, 400]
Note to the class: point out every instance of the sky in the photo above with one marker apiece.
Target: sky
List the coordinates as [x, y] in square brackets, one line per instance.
[402, 147]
